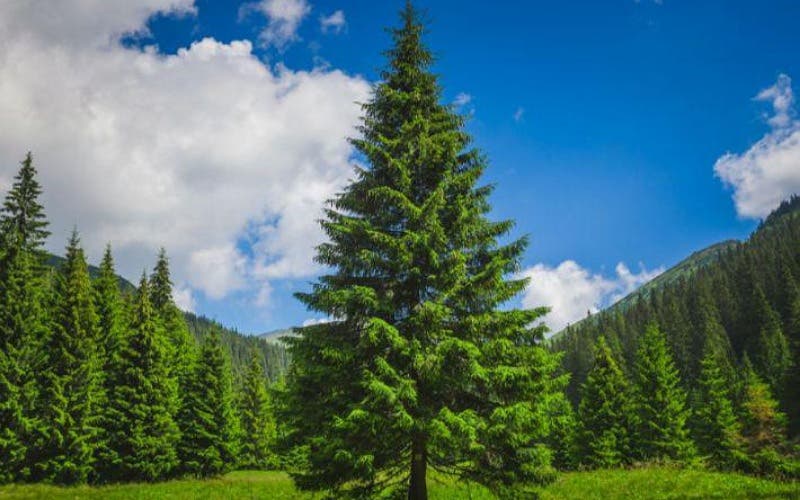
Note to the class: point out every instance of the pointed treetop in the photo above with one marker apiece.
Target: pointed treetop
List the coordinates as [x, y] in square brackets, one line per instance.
[23, 220]
[160, 282]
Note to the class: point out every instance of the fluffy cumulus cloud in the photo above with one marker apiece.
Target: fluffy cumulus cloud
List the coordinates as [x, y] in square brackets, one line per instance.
[207, 152]
[769, 171]
[571, 291]
[333, 23]
[283, 19]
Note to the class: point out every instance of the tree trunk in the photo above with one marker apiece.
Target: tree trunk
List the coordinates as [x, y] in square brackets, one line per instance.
[418, 485]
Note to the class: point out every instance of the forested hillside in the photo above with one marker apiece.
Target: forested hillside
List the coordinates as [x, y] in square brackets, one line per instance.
[745, 299]
[274, 354]
[240, 346]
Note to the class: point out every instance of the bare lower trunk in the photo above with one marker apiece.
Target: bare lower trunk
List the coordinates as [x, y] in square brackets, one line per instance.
[418, 486]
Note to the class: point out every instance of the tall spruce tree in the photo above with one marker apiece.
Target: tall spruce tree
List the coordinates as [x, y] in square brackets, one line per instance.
[717, 429]
[208, 446]
[112, 325]
[182, 344]
[662, 431]
[73, 377]
[23, 321]
[419, 366]
[257, 422]
[606, 412]
[144, 435]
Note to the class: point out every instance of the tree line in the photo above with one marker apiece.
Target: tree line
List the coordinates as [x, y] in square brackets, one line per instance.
[732, 329]
[100, 385]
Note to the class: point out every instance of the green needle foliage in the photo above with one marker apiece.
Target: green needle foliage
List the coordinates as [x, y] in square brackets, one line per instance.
[257, 422]
[605, 413]
[420, 366]
[113, 330]
[144, 400]
[771, 355]
[660, 401]
[182, 343]
[208, 445]
[73, 376]
[717, 430]
[23, 321]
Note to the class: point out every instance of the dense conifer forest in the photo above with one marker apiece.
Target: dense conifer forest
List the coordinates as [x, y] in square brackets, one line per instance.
[423, 366]
[731, 332]
[101, 381]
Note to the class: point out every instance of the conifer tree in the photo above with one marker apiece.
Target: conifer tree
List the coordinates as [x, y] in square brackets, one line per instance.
[141, 407]
[605, 412]
[112, 344]
[72, 392]
[208, 444]
[419, 367]
[772, 358]
[764, 425]
[23, 321]
[23, 223]
[660, 401]
[257, 422]
[182, 344]
[716, 427]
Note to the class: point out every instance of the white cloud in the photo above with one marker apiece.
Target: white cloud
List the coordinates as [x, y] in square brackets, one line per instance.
[283, 20]
[334, 23]
[782, 99]
[184, 298]
[81, 22]
[571, 290]
[769, 171]
[194, 151]
[518, 114]
[462, 99]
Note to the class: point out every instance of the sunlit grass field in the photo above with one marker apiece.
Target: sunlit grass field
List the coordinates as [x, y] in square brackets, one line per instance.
[660, 483]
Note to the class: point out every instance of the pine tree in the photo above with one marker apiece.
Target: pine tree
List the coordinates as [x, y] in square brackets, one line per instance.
[764, 425]
[143, 436]
[208, 445]
[23, 321]
[257, 422]
[419, 367]
[716, 427]
[772, 357]
[23, 224]
[182, 344]
[605, 412]
[112, 344]
[661, 402]
[73, 377]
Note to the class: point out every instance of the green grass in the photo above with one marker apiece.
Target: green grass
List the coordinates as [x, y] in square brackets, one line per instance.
[660, 483]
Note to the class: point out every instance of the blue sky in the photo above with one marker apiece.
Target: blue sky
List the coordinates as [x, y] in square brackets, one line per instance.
[603, 122]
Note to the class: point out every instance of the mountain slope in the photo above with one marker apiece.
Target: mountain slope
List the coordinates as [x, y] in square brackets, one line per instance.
[682, 270]
[745, 297]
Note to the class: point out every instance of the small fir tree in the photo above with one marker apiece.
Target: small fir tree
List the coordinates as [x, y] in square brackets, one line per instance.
[144, 435]
[257, 422]
[662, 432]
[605, 413]
[717, 430]
[208, 446]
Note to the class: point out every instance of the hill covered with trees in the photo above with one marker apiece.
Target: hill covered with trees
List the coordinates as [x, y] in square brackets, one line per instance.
[742, 302]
